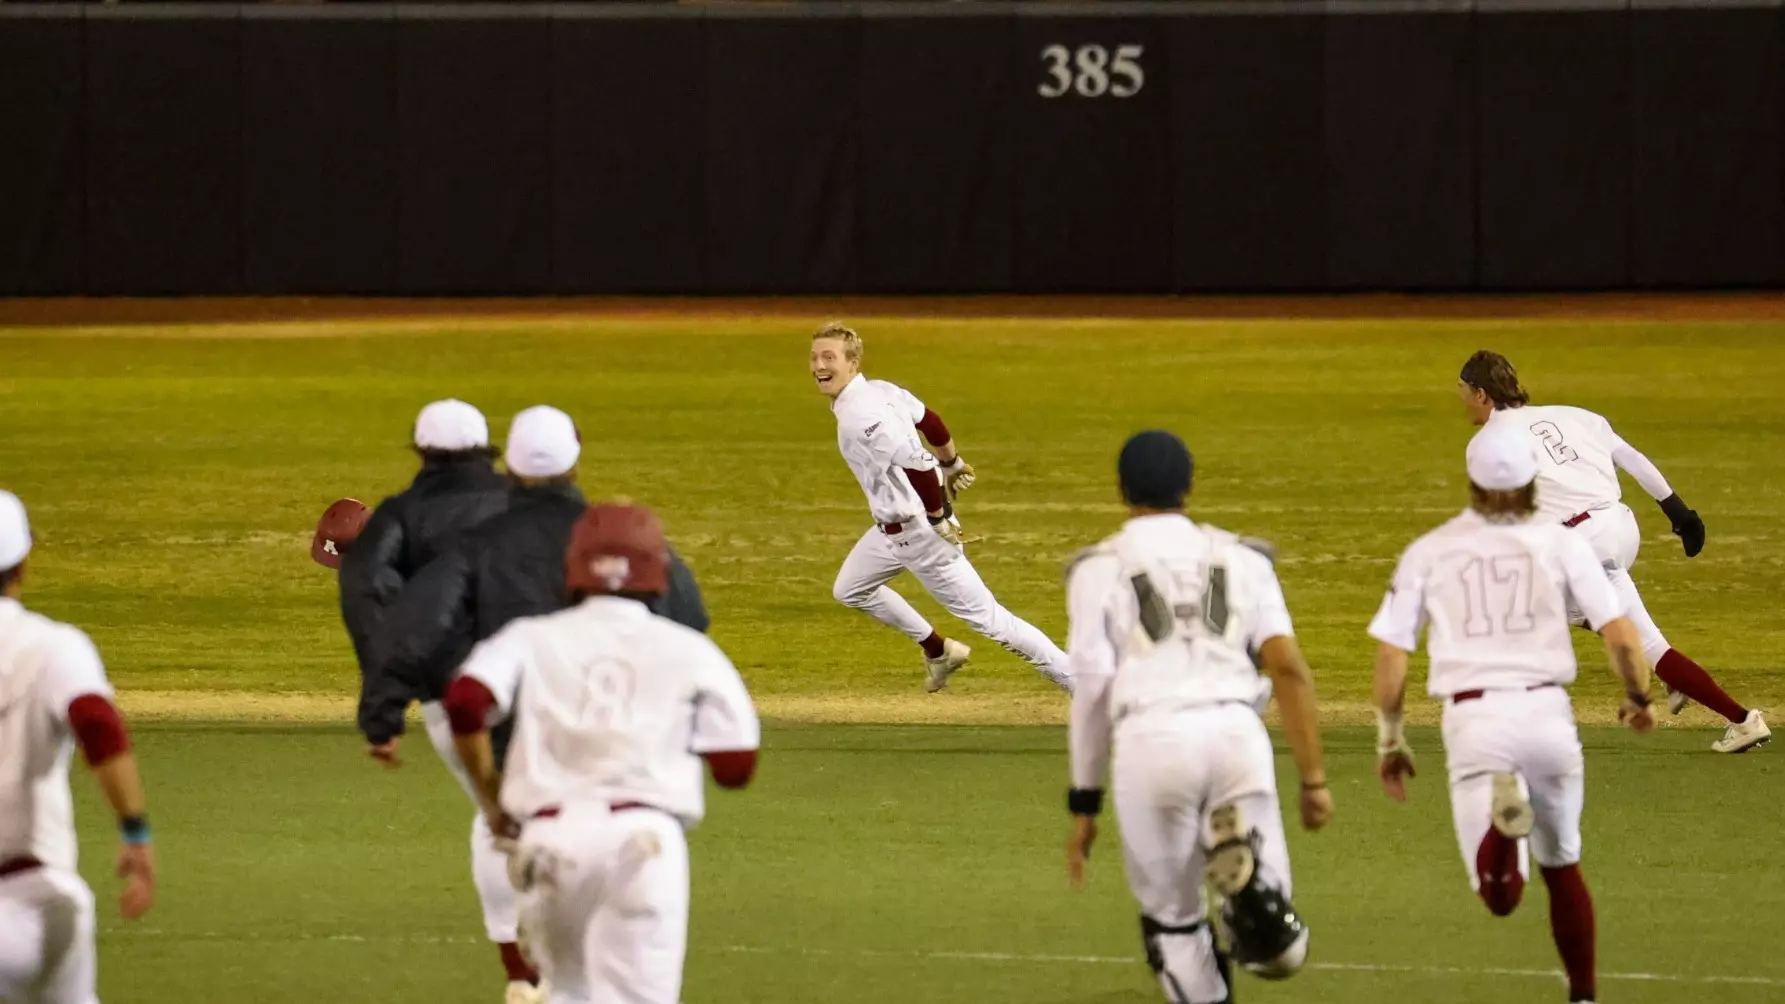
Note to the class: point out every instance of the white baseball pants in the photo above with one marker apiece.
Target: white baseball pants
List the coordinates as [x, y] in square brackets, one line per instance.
[489, 866]
[1616, 538]
[947, 576]
[1530, 733]
[46, 938]
[607, 913]
[1170, 771]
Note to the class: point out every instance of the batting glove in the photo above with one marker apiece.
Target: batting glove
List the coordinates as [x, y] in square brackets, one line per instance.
[946, 528]
[958, 476]
[1686, 524]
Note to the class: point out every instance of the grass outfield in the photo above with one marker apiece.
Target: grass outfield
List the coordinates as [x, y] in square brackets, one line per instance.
[174, 474]
[906, 864]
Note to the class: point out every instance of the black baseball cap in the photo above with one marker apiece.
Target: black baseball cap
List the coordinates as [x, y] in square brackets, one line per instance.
[1154, 470]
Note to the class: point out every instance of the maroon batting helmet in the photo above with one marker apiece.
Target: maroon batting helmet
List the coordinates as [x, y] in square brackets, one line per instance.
[617, 549]
[340, 526]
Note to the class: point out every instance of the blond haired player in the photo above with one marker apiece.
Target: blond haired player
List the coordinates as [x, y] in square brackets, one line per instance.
[910, 491]
[1171, 621]
[54, 694]
[614, 709]
[1578, 459]
[1493, 589]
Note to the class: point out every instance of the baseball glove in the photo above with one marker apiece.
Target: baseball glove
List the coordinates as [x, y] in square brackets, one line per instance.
[338, 528]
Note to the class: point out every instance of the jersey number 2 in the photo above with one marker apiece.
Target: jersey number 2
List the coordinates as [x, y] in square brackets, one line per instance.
[1507, 590]
[1559, 451]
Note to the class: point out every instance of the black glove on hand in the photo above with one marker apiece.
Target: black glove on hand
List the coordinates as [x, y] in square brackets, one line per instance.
[1686, 524]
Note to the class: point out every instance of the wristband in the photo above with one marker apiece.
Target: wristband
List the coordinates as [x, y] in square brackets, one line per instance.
[1084, 801]
[1314, 785]
[135, 830]
[1388, 731]
[1640, 700]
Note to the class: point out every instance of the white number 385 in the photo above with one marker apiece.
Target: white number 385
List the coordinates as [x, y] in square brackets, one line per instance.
[1089, 71]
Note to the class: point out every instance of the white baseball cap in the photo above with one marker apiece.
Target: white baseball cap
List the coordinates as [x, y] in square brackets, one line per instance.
[543, 443]
[15, 532]
[1500, 459]
[451, 425]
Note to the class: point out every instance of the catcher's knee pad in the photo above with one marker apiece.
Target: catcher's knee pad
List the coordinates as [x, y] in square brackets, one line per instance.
[1187, 962]
[1265, 934]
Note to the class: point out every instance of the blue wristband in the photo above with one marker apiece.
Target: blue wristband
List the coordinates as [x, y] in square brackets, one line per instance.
[135, 830]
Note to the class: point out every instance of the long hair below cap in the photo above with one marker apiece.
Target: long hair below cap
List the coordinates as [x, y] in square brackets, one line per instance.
[1154, 470]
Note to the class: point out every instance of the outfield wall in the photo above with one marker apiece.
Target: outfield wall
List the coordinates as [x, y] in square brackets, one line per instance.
[890, 148]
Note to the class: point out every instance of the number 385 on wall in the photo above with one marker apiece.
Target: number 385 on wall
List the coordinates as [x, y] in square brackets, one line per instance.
[1092, 71]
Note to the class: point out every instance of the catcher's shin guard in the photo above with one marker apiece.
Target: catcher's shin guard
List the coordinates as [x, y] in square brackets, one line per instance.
[1265, 933]
[1187, 962]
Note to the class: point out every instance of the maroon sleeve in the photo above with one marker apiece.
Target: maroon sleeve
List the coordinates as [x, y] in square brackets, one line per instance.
[928, 486]
[932, 428]
[468, 703]
[98, 727]
[731, 768]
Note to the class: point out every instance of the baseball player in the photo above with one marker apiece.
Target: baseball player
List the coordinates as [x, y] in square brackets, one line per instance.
[616, 708]
[456, 489]
[1495, 589]
[54, 694]
[910, 491]
[1578, 459]
[1171, 621]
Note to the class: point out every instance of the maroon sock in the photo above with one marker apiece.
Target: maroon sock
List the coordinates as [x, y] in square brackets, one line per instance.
[1571, 924]
[932, 646]
[1496, 868]
[1689, 678]
[516, 964]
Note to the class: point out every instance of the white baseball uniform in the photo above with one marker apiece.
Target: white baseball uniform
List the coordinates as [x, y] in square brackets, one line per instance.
[46, 910]
[614, 707]
[1494, 601]
[877, 434]
[1176, 697]
[1578, 459]
[489, 866]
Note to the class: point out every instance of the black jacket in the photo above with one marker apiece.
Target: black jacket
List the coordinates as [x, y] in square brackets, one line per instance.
[509, 567]
[408, 531]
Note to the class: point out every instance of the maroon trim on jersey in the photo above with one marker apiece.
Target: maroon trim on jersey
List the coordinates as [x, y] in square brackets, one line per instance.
[928, 485]
[933, 429]
[731, 768]
[98, 727]
[468, 703]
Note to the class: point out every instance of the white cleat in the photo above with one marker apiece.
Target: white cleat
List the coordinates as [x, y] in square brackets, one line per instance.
[1676, 701]
[938, 670]
[1746, 735]
[521, 992]
[1512, 809]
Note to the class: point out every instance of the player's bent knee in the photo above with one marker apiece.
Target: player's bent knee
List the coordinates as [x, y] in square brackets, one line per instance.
[1187, 962]
[850, 596]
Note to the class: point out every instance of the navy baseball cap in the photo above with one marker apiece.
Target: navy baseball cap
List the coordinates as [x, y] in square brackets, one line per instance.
[1154, 470]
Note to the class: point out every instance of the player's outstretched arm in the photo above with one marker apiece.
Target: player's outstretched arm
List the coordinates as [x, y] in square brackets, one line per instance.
[1293, 682]
[1394, 759]
[1623, 648]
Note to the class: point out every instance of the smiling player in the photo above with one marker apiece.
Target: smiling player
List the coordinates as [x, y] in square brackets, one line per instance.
[909, 492]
